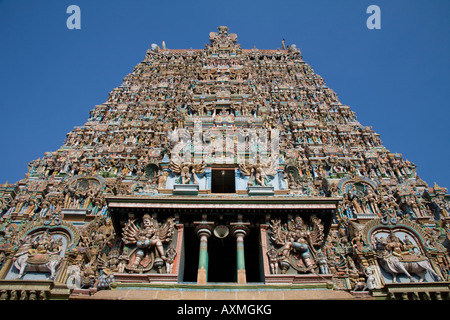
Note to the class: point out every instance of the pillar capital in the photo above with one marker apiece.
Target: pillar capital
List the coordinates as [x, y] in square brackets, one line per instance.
[240, 228]
[204, 228]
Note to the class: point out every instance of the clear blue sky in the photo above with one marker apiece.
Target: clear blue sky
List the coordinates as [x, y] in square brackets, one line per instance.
[396, 79]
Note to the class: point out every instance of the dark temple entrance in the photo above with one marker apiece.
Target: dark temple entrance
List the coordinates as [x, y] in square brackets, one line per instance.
[189, 265]
[253, 256]
[222, 259]
[223, 180]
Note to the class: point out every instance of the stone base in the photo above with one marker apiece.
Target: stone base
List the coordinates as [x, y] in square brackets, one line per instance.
[260, 191]
[185, 189]
[218, 292]
[73, 214]
[33, 290]
[241, 276]
[201, 276]
[361, 294]
[83, 292]
[325, 280]
[145, 278]
[439, 290]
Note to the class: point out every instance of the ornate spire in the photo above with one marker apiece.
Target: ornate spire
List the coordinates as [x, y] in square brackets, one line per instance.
[222, 39]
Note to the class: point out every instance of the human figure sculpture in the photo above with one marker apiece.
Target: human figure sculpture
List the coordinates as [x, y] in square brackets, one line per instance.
[371, 281]
[146, 237]
[41, 253]
[297, 240]
[162, 179]
[185, 169]
[393, 257]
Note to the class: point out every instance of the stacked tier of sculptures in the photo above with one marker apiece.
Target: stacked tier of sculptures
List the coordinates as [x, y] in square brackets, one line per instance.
[324, 152]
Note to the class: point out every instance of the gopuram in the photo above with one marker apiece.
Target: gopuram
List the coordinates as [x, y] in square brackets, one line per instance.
[223, 172]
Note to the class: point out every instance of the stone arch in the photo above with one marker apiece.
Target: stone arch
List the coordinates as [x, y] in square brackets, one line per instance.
[64, 227]
[409, 226]
[60, 239]
[412, 245]
[151, 170]
[344, 183]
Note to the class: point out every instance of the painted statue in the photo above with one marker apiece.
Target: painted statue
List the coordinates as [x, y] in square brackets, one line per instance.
[148, 239]
[396, 257]
[39, 254]
[259, 171]
[185, 169]
[298, 242]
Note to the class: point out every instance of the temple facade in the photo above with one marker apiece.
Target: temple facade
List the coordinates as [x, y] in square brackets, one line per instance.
[223, 173]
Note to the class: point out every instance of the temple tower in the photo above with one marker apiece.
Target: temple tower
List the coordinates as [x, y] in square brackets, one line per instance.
[229, 168]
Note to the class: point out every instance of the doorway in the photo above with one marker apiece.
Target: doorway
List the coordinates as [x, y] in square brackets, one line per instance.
[253, 256]
[190, 255]
[222, 259]
[223, 180]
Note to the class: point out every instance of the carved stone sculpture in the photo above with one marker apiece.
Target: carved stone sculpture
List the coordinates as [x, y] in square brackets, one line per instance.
[147, 240]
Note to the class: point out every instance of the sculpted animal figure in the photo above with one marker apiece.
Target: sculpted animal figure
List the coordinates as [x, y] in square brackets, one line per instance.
[45, 263]
[396, 258]
[394, 266]
[41, 254]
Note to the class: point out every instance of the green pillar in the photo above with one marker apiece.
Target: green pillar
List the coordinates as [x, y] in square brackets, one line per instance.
[203, 231]
[240, 230]
[240, 258]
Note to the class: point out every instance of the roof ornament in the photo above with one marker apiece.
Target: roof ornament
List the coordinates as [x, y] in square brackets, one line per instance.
[222, 38]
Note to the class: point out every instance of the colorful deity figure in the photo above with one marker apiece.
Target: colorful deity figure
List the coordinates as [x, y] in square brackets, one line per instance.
[298, 242]
[186, 169]
[145, 239]
[41, 252]
[259, 172]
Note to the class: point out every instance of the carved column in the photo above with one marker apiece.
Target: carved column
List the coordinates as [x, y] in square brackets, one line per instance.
[203, 230]
[240, 230]
[7, 264]
[62, 276]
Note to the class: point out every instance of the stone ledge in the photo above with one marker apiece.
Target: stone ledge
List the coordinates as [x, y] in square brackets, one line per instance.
[133, 291]
[155, 294]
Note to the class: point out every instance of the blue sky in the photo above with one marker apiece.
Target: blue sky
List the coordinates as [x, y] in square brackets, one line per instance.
[396, 79]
